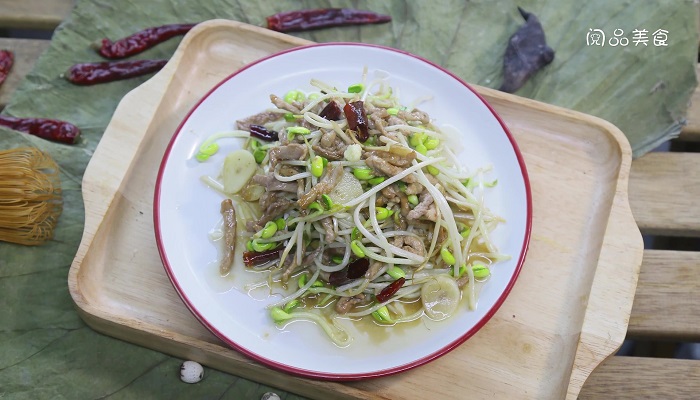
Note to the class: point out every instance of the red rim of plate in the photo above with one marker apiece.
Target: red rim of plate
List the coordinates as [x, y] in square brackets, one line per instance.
[371, 374]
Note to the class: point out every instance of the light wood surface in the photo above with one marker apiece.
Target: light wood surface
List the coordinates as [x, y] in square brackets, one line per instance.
[623, 378]
[666, 304]
[664, 192]
[661, 282]
[33, 14]
[556, 326]
[26, 52]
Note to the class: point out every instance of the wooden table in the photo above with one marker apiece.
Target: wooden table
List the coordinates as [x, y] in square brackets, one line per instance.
[664, 192]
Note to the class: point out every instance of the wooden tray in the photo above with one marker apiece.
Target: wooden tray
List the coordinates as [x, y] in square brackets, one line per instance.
[567, 312]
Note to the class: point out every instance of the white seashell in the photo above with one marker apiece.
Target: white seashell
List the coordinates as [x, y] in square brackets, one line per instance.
[191, 372]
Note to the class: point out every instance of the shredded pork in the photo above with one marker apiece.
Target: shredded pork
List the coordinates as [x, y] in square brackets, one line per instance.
[292, 151]
[383, 167]
[327, 183]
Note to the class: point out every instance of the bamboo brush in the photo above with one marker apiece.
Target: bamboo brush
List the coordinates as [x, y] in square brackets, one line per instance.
[30, 196]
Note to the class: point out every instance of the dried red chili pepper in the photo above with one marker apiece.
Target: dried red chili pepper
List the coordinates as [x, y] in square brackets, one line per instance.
[302, 20]
[358, 268]
[140, 41]
[389, 291]
[262, 133]
[6, 61]
[357, 119]
[331, 111]
[253, 258]
[102, 72]
[354, 270]
[49, 129]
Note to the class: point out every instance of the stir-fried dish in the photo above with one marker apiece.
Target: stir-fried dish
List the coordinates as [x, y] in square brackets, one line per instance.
[357, 205]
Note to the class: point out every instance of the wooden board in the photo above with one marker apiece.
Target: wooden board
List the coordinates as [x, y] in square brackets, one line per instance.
[564, 316]
[664, 188]
[633, 378]
[665, 306]
[33, 14]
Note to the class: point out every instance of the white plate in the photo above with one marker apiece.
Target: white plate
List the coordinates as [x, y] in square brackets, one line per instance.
[186, 210]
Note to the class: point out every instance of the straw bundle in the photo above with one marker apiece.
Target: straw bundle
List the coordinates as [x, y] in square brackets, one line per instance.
[30, 196]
